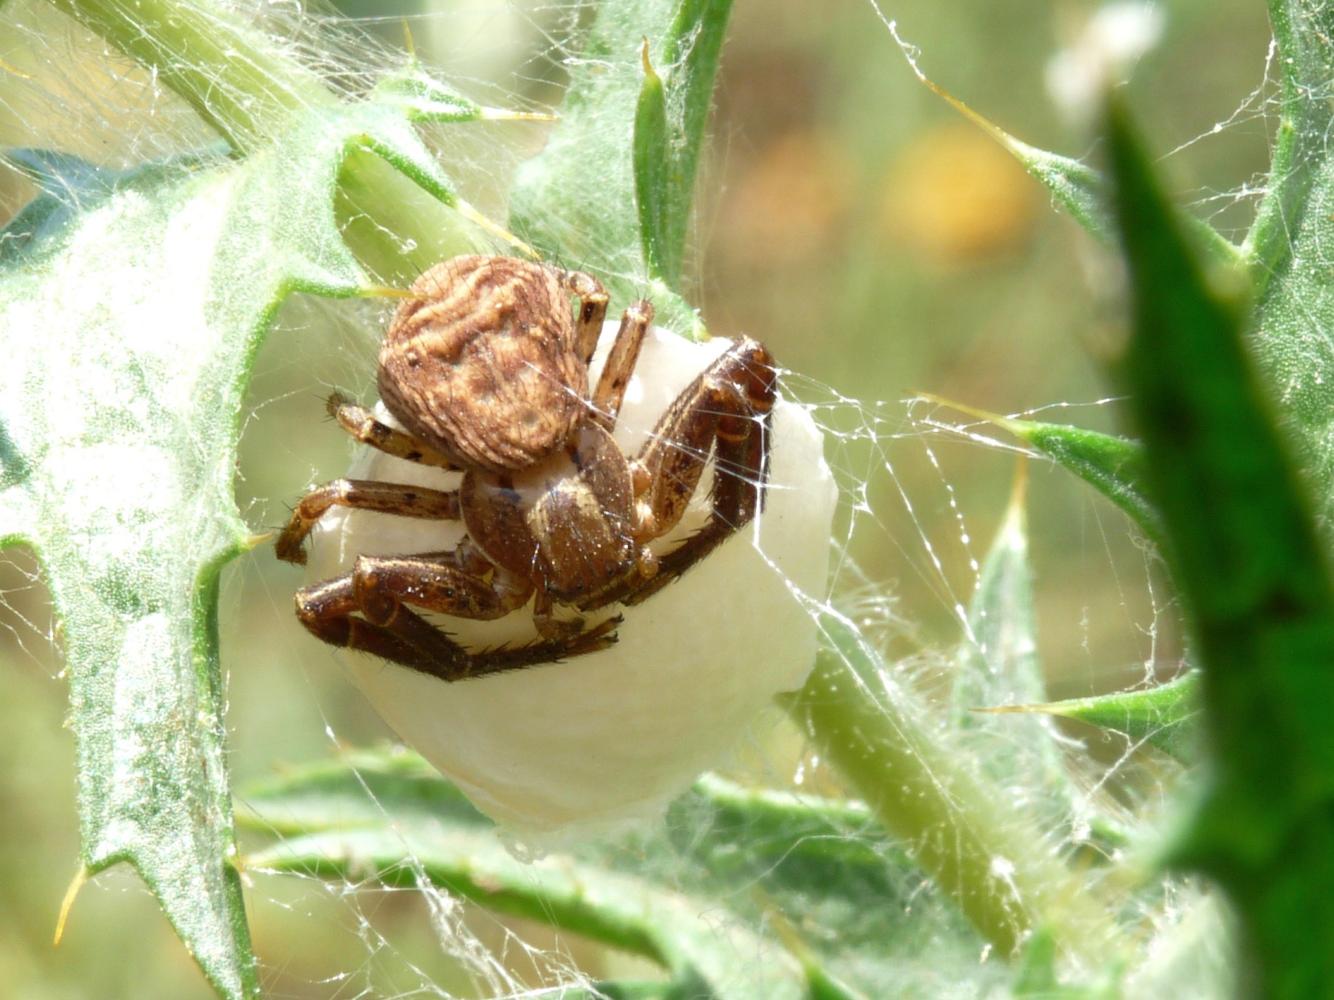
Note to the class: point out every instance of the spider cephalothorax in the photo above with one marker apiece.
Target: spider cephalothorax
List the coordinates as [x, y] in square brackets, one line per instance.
[486, 368]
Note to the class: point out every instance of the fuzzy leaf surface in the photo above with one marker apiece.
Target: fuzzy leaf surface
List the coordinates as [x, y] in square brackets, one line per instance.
[742, 860]
[672, 110]
[997, 663]
[577, 200]
[131, 306]
[1165, 716]
[1114, 466]
[1289, 244]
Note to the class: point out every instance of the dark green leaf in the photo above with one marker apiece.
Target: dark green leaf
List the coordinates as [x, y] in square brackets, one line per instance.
[1289, 244]
[1255, 583]
[1299, 173]
[669, 129]
[663, 244]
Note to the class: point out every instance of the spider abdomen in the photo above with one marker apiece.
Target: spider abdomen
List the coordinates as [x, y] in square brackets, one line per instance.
[482, 363]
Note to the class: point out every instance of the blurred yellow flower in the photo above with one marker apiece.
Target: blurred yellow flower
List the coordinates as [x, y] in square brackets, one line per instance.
[955, 196]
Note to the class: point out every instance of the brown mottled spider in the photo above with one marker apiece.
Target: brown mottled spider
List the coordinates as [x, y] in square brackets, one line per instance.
[486, 367]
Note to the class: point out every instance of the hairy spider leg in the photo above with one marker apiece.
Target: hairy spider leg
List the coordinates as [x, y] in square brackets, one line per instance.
[379, 590]
[362, 494]
[726, 410]
[362, 424]
[593, 301]
[620, 365]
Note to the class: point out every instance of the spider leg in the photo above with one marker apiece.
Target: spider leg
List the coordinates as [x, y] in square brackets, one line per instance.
[610, 391]
[362, 424]
[548, 625]
[727, 410]
[362, 494]
[592, 311]
[366, 610]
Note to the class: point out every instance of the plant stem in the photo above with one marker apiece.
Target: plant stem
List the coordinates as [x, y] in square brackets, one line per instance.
[394, 227]
[247, 87]
[1300, 145]
[231, 74]
[995, 864]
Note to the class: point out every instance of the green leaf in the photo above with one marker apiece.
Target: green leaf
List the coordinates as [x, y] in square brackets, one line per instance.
[577, 199]
[669, 129]
[1299, 169]
[1036, 976]
[1084, 195]
[1289, 244]
[1114, 466]
[997, 663]
[817, 870]
[618, 910]
[998, 659]
[1255, 583]
[1165, 716]
[130, 310]
[405, 819]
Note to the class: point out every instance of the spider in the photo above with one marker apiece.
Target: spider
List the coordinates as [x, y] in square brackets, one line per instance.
[486, 369]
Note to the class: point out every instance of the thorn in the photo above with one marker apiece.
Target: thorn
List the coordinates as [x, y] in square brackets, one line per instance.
[8, 68]
[1011, 709]
[494, 228]
[66, 904]
[1000, 420]
[408, 43]
[644, 56]
[505, 115]
[251, 542]
[384, 292]
[1017, 507]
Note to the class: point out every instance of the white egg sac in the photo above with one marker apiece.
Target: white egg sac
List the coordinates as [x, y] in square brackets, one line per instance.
[598, 739]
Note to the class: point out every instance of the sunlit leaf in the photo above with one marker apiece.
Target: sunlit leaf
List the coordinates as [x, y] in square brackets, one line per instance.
[130, 309]
[1290, 244]
[390, 812]
[672, 110]
[587, 168]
